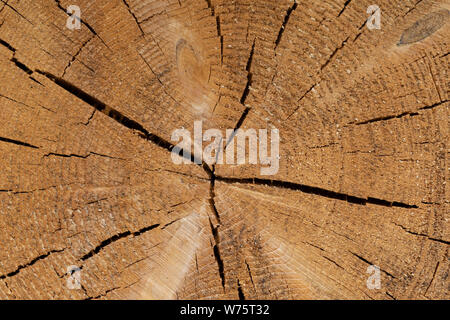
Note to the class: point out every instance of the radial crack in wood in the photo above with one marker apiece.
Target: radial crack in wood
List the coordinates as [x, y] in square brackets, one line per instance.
[94, 203]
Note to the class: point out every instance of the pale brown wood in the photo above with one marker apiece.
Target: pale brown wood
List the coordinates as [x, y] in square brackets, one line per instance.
[87, 177]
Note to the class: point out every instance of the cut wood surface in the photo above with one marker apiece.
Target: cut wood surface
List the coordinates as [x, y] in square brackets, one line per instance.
[87, 179]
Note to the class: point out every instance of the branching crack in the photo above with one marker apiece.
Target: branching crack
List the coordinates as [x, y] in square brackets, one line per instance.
[58, 3]
[19, 64]
[170, 223]
[76, 55]
[144, 133]
[24, 68]
[7, 45]
[434, 105]
[4, 6]
[90, 118]
[345, 6]
[313, 245]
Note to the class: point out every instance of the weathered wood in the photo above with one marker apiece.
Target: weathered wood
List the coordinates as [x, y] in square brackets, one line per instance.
[87, 178]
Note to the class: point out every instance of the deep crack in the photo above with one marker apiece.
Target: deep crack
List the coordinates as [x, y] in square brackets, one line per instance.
[285, 22]
[32, 262]
[317, 191]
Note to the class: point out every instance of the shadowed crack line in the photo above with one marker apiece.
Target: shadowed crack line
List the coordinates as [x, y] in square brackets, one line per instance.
[219, 31]
[398, 116]
[115, 238]
[334, 54]
[235, 131]
[170, 223]
[238, 125]
[212, 195]
[285, 22]
[345, 6]
[17, 142]
[76, 55]
[216, 251]
[7, 45]
[90, 118]
[32, 262]
[432, 278]
[316, 191]
[240, 292]
[434, 105]
[18, 64]
[72, 155]
[134, 16]
[370, 263]
[250, 274]
[422, 235]
[390, 295]
[301, 98]
[412, 8]
[334, 262]
[249, 75]
[24, 68]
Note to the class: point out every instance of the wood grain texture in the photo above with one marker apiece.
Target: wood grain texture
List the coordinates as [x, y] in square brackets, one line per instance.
[87, 178]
